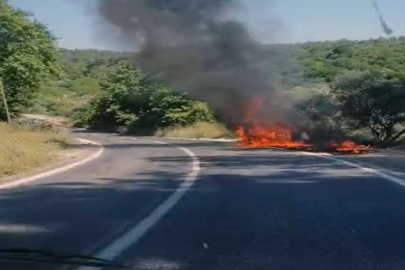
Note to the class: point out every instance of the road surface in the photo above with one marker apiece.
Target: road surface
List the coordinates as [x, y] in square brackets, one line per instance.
[225, 208]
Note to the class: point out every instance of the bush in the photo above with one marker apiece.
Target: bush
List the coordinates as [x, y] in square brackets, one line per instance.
[133, 102]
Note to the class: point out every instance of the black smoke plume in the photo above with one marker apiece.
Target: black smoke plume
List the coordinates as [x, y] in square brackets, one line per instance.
[387, 30]
[194, 46]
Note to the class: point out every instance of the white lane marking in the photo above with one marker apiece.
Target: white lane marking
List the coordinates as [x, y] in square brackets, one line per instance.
[21, 228]
[386, 176]
[36, 177]
[132, 237]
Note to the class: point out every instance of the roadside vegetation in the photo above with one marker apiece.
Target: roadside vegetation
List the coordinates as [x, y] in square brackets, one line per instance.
[322, 78]
[130, 101]
[77, 83]
[363, 87]
[354, 88]
[23, 149]
[28, 56]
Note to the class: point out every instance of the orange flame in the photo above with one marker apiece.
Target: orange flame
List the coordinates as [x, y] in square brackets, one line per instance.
[258, 134]
[265, 135]
[349, 147]
[276, 135]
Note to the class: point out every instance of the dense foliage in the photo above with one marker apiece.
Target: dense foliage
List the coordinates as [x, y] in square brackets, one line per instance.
[133, 102]
[365, 86]
[27, 54]
[371, 100]
[326, 60]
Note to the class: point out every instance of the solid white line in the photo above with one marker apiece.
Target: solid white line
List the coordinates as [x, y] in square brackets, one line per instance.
[386, 176]
[132, 237]
[36, 177]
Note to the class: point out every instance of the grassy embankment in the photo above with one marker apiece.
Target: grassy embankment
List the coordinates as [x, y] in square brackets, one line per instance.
[198, 130]
[23, 149]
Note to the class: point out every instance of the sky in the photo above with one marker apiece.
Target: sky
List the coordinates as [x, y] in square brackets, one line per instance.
[75, 22]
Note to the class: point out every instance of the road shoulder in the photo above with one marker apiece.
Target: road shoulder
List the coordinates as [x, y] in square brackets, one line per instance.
[78, 152]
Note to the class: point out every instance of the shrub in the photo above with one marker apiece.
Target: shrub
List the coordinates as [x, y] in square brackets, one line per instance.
[132, 100]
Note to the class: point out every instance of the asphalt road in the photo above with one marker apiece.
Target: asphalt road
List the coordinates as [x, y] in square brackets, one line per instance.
[258, 209]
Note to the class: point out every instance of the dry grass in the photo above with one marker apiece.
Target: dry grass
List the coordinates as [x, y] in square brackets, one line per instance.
[23, 149]
[201, 130]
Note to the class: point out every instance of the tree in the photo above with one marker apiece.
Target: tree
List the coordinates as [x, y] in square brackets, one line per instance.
[27, 54]
[5, 103]
[371, 100]
[132, 100]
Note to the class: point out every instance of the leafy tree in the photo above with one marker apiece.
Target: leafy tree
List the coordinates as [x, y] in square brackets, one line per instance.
[371, 100]
[132, 100]
[27, 54]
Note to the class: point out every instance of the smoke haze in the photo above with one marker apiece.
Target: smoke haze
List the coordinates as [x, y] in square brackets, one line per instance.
[195, 46]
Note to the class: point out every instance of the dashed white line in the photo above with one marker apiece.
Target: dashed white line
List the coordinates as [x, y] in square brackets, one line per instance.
[36, 177]
[132, 237]
[386, 176]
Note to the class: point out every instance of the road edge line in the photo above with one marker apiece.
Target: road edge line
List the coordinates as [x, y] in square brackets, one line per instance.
[384, 175]
[130, 238]
[63, 169]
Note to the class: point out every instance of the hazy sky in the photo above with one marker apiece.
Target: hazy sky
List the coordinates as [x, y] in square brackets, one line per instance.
[75, 22]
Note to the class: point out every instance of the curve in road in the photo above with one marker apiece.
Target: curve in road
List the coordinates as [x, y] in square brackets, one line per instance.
[258, 209]
[130, 238]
